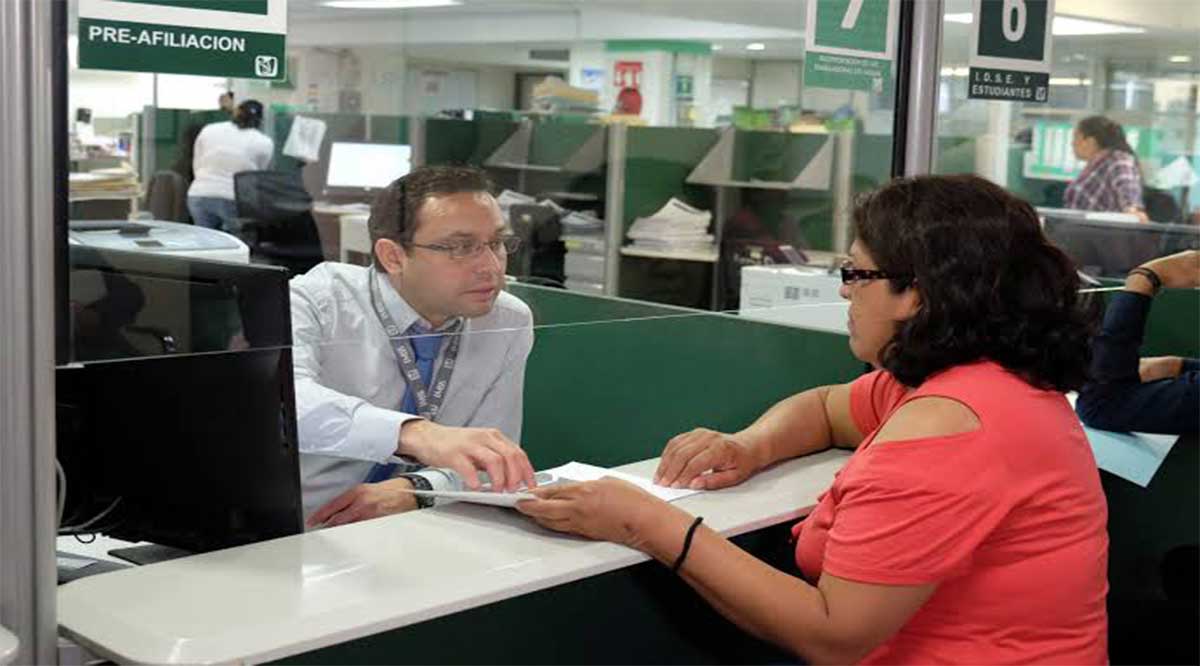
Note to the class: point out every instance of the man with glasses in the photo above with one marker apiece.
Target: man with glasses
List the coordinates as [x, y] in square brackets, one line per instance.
[409, 373]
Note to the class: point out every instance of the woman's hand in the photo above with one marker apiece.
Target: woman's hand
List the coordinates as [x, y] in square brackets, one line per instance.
[606, 510]
[705, 460]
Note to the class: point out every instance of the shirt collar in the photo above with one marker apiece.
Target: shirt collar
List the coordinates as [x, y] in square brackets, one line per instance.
[402, 313]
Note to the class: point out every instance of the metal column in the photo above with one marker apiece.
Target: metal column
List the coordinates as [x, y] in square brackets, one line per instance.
[924, 62]
[27, 283]
[614, 209]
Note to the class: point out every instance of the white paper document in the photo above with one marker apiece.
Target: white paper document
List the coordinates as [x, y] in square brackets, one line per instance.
[1133, 456]
[570, 472]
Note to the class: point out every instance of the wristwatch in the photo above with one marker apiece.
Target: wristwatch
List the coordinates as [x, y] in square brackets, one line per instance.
[420, 483]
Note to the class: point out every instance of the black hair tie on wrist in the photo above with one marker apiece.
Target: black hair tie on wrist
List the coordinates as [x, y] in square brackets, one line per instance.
[687, 544]
[1155, 281]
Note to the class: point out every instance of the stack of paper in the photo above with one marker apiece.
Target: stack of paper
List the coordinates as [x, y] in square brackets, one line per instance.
[509, 198]
[555, 94]
[568, 473]
[584, 223]
[676, 227]
[104, 183]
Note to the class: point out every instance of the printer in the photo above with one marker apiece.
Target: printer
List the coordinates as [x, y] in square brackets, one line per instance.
[159, 237]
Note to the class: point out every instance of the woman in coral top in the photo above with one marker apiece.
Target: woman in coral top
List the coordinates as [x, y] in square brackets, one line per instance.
[969, 524]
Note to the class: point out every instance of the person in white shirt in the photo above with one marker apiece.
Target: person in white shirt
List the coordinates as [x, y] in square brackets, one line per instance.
[222, 150]
[430, 312]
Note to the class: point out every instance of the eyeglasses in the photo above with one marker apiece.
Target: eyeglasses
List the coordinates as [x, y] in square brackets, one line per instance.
[850, 275]
[504, 245]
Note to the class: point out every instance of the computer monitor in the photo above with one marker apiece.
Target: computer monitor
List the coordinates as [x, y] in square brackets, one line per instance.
[176, 408]
[366, 166]
[1109, 249]
[125, 304]
[195, 451]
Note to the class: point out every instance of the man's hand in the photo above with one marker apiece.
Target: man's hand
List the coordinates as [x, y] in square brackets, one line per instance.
[466, 450]
[705, 460]
[365, 501]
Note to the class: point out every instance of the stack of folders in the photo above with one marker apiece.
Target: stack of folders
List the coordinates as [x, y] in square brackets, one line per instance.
[583, 264]
[115, 183]
[676, 227]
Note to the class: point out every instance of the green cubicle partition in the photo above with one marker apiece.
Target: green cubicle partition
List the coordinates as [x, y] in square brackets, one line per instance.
[388, 129]
[338, 127]
[609, 380]
[608, 391]
[169, 129]
[450, 141]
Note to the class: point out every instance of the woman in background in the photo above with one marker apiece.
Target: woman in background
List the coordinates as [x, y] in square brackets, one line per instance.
[222, 150]
[1112, 179]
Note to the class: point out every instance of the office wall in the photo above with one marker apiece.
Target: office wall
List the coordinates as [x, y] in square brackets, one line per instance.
[775, 83]
[111, 94]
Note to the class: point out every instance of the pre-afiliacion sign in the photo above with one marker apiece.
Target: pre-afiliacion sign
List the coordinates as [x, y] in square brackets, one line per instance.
[233, 38]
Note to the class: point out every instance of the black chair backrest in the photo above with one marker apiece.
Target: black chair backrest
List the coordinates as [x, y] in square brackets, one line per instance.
[270, 196]
[1161, 206]
[166, 197]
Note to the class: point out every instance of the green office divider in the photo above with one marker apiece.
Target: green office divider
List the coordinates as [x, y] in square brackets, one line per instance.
[1173, 328]
[956, 154]
[170, 129]
[388, 129]
[554, 143]
[608, 390]
[338, 127]
[449, 141]
[773, 156]
[657, 163]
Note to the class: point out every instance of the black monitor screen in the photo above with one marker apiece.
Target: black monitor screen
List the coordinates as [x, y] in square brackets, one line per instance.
[1111, 249]
[193, 451]
[137, 304]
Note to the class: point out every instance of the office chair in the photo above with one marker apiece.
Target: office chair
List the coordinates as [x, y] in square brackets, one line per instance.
[1161, 206]
[275, 219]
[166, 197]
[541, 253]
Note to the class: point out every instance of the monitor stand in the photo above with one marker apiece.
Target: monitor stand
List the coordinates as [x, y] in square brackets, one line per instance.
[149, 553]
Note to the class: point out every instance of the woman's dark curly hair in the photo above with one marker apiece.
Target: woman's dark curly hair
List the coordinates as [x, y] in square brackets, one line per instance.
[991, 285]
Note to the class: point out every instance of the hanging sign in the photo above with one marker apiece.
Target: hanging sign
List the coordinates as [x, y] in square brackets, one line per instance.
[850, 44]
[232, 38]
[1011, 50]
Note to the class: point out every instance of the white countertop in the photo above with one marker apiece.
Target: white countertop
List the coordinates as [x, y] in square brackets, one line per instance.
[8, 646]
[277, 598]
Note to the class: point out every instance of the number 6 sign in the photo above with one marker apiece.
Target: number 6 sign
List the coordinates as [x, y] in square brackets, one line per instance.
[1011, 50]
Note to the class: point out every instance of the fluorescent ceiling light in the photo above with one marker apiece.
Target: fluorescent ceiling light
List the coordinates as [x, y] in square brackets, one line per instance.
[389, 4]
[1181, 59]
[1066, 26]
[756, 46]
[1068, 81]
[1070, 26]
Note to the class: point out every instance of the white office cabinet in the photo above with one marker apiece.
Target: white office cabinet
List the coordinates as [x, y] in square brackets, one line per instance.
[794, 295]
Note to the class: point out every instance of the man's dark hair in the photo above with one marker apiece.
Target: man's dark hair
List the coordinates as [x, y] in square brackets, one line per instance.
[249, 115]
[991, 285]
[394, 213]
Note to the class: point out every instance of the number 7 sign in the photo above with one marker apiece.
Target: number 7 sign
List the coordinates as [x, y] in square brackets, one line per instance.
[850, 44]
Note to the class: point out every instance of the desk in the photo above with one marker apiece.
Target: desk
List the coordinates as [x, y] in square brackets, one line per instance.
[328, 217]
[8, 646]
[355, 237]
[288, 596]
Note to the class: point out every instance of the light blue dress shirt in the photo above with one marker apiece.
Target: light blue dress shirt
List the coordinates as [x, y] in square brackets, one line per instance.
[348, 384]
